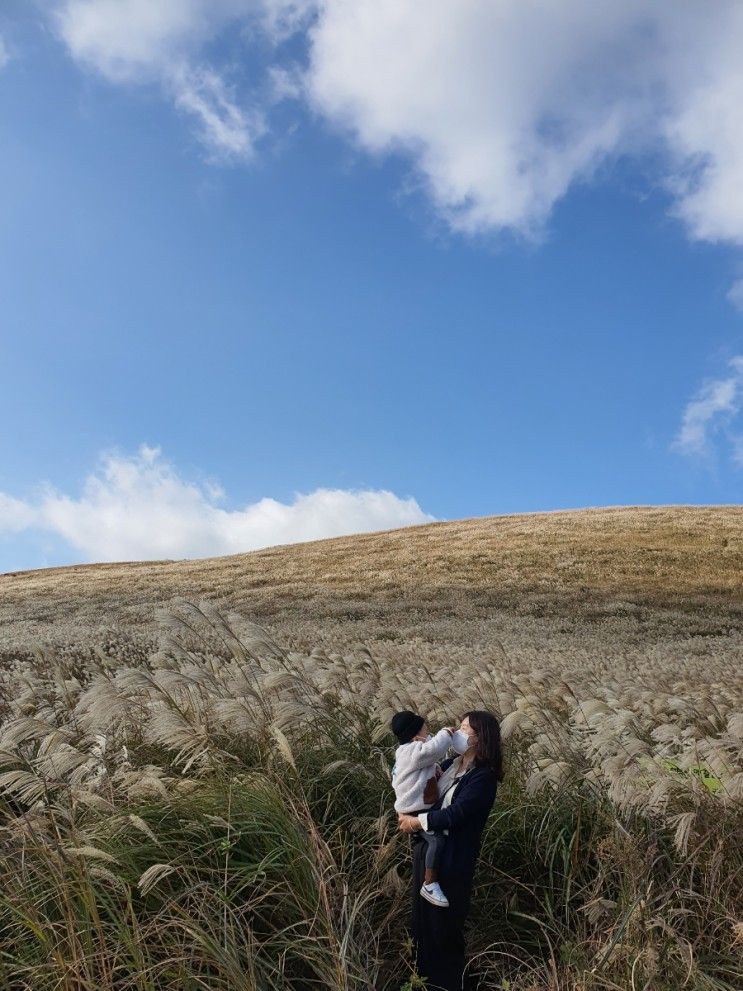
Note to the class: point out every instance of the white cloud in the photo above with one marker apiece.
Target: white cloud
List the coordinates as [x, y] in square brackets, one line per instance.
[4, 56]
[132, 40]
[501, 105]
[15, 515]
[735, 294]
[141, 41]
[285, 84]
[737, 442]
[139, 508]
[713, 409]
[225, 129]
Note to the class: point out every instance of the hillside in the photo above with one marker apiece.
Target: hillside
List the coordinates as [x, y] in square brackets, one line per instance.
[655, 571]
[218, 811]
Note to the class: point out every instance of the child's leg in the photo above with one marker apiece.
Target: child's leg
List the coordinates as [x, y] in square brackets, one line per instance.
[434, 845]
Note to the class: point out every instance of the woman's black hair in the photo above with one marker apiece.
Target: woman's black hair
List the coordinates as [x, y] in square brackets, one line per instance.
[488, 752]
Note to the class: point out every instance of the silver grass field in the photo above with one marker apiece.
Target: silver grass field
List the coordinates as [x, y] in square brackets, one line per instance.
[208, 806]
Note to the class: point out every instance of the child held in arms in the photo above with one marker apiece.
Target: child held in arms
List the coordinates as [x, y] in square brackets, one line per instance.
[414, 777]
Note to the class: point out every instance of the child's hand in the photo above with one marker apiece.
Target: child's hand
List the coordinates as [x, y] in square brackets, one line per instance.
[408, 824]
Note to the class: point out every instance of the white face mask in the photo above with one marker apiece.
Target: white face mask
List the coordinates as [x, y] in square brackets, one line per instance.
[460, 741]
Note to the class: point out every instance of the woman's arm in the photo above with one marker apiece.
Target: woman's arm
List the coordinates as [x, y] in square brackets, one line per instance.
[474, 799]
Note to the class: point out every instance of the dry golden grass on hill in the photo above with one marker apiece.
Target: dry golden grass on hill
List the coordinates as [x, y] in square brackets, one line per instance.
[660, 571]
[188, 800]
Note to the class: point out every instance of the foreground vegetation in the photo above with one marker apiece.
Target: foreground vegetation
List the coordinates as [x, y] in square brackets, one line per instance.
[216, 813]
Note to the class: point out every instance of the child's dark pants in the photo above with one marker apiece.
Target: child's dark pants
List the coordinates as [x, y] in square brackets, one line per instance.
[435, 843]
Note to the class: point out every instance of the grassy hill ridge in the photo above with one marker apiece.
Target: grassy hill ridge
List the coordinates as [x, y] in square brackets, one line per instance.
[186, 803]
[589, 564]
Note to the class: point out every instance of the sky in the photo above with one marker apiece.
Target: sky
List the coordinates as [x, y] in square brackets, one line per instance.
[275, 270]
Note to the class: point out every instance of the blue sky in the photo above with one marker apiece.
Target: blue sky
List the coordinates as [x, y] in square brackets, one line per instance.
[251, 296]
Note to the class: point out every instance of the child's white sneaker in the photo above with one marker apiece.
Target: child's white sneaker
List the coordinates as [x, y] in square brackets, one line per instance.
[433, 894]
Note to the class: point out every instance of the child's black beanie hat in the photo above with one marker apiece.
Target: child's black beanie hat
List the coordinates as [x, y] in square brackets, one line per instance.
[405, 725]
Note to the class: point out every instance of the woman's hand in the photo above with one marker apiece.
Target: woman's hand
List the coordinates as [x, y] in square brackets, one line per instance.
[408, 824]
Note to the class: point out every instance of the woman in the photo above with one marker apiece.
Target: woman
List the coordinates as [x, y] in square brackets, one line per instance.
[466, 792]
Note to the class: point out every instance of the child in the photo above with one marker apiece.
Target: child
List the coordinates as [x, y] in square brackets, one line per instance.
[415, 767]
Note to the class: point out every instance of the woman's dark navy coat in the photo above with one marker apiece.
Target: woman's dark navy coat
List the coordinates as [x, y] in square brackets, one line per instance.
[438, 933]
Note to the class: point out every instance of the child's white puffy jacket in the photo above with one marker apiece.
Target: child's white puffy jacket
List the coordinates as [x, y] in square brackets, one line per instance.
[415, 763]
